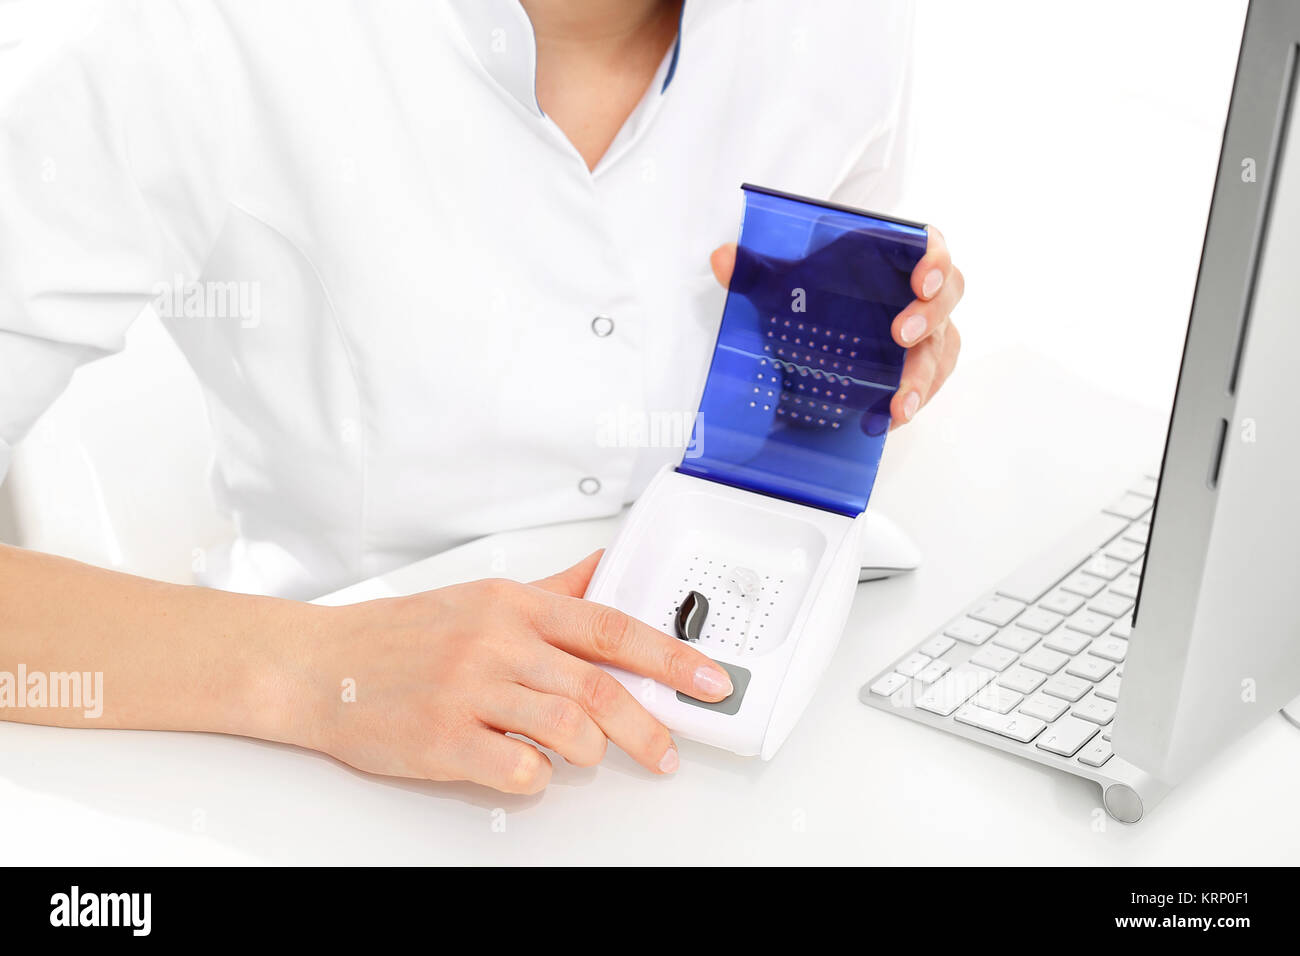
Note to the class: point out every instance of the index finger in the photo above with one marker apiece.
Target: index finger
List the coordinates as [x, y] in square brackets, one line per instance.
[600, 633]
[931, 272]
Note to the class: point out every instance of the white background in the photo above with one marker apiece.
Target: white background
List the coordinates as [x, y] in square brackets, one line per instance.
[1068, 152]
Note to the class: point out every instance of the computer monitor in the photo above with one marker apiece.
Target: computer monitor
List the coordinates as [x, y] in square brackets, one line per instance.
[1216, 638]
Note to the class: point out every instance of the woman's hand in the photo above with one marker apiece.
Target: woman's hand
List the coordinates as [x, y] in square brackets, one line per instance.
[924, 328]
[442, 677]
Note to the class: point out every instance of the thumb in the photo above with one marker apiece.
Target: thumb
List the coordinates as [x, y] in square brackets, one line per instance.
[723, 261]
[572, 582]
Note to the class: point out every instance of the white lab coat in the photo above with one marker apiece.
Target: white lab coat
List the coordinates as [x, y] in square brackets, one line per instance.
[416, 316]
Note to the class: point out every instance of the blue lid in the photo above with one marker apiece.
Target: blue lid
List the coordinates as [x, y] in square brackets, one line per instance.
[796, 404]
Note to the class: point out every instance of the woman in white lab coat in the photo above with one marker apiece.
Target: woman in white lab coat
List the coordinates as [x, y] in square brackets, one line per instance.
[449, 236]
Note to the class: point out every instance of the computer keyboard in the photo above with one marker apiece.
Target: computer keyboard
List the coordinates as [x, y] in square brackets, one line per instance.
[1036, 665]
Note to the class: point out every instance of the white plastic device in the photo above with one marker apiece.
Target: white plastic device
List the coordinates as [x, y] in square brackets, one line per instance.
[764, 518]
[780, 579]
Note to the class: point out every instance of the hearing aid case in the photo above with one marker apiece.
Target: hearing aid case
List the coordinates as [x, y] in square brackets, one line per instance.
[764, 514]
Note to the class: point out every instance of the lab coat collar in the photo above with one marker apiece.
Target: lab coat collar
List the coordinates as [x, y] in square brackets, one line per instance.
[502, 38]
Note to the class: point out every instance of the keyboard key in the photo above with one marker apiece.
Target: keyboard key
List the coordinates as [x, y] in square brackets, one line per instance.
[1036, 578]
[1096, 753]
[1122, 628]
[1130, 506]
[937, 646]
[1095, 710]
[1042, 659]
[1110, 648]
[1089, 667]
[1083, 584]
[1105, 567]
[1040, 620]
[913, 665]
[971, 632]
[1067, 641]
[1016, 637]
[1066, 688]
[1044, 707]
[953, 689]
[1062, 602]
[1121, 549]
[1021, 679]
[1109, 688]
[997, 698]
[1066, 736]
[994, 658]
[888, 685]
[998, 610]
[1138, 533]
[1111, 604]
[1089, 623]
[1016, 726]
[933, 671]
[1128, 585]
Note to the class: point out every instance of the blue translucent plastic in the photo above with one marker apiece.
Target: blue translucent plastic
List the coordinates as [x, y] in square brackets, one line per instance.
[796, 404]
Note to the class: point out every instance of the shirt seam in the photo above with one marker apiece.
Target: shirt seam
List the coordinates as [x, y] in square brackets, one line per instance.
[349, 355]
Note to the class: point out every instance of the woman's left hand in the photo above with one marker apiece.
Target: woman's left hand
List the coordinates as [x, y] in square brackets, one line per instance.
[924, 328]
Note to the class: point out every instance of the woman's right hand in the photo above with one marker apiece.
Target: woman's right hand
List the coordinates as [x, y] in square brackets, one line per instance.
[440, 679]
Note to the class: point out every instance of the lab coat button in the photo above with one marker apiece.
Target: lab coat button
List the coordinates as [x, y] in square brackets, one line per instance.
[602, 325]
[589, 485]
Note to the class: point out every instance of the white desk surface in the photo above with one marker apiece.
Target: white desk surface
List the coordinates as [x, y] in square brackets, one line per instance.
[1012, 454]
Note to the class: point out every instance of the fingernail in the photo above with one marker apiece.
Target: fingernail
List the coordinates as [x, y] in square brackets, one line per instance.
[669, 762]
[911, 404]
[713, 682]
[931, 285]
[913, 328]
